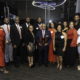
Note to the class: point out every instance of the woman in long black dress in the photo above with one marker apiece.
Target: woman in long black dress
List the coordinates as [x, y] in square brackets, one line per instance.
[70, 54]
[30, 40]
[60, 41]
[65, 26]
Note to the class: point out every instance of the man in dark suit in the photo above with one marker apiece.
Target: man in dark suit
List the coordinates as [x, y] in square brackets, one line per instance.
[16, 39]
[43, 38]
[77, 21]
[38, 25]
[25, 30]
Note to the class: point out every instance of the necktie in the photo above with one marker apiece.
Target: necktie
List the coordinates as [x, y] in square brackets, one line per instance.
[7, 28]
[40, 27]
[43, 33]
[19, 32]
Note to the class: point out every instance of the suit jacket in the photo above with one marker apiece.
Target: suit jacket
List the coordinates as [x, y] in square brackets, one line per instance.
[25, 30]
[14, 35]
[6, 32]
[47, 35]
[77, 26]
[36, 28]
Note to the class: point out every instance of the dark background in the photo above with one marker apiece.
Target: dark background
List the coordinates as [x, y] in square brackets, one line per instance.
[18, 8]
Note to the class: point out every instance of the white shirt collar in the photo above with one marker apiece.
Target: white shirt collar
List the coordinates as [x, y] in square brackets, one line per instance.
[16, 24]
[27, 24]
[6, 24]
[43, 30]
[40, 24]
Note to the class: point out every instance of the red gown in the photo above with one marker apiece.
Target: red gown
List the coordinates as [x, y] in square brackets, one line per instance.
[2, 47]
[51, 56]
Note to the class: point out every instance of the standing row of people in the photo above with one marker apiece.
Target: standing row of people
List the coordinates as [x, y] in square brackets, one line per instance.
[35, 42]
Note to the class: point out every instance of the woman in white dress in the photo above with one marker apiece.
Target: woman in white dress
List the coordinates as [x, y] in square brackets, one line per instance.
[78, 46]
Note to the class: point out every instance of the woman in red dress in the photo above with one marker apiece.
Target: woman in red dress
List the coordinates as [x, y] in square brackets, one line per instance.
[70, 54]
[2, 51]
[51, 55]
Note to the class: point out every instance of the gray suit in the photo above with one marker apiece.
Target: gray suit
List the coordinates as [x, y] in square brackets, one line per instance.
[8, 48]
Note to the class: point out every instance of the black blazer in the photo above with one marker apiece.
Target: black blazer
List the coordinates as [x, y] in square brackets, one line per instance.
[36, 28]
[29, 38]
[14, 35]
[77, 26]
[25, 30]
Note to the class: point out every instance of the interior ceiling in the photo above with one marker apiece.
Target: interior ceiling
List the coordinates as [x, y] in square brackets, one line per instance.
[21, 3]
[31, 0]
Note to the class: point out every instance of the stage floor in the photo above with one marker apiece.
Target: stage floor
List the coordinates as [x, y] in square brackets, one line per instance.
[40, 73]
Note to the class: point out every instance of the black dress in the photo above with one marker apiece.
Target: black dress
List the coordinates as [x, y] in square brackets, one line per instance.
[59, 43]
[70, 54]
[30, 40]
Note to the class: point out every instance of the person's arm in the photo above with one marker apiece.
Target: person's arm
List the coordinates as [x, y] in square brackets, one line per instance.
[27, 38]
[49, 38]
[54, 42]
[74, 39]
[12, 37]
[37, 38]
[65, 41]
[24, 35]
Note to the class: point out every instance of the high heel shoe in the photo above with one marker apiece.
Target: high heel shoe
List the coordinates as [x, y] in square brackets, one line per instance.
[60, 67]
[32, 66]
[29, 64]
[57, 65]
[68, 66]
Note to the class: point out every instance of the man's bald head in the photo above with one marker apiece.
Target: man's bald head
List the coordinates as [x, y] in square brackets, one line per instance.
[43, 26]
[6, 20]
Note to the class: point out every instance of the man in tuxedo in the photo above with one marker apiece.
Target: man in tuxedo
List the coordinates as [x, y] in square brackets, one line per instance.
[8, 48]
[25, 30]
[77, 26]
[38, 25]
[16, 39]
[77, 21]
[43, 38]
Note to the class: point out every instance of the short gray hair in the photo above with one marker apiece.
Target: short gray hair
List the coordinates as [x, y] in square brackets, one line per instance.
[16, 17]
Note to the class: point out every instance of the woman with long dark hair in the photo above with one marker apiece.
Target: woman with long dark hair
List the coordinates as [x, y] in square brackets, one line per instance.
[65, 26]
[60, 41]
[51, 55]
[30, 40]
[70, 54]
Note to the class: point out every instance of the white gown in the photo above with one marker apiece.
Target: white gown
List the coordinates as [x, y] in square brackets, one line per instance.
[78, 40]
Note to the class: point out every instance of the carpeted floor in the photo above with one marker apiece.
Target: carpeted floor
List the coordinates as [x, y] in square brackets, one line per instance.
[40, 73]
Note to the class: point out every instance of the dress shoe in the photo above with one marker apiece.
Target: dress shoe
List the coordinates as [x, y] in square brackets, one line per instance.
[11, 61]
[7, 63]
[46, 65]
[22, 62]
[32, 66]
[40, 64]
[16, 65]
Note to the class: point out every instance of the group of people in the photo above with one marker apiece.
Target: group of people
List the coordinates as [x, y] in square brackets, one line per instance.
[37, 42]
